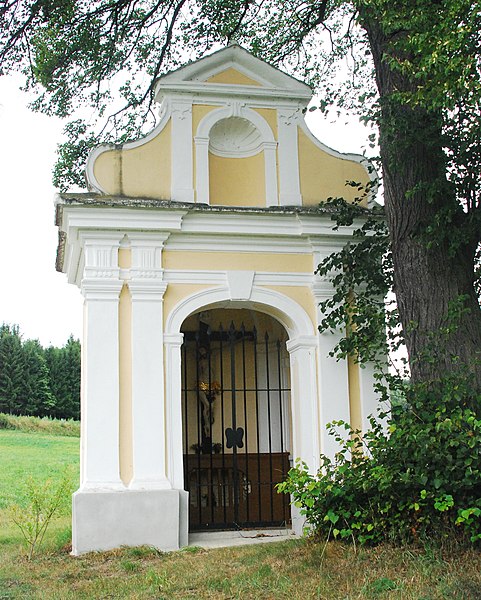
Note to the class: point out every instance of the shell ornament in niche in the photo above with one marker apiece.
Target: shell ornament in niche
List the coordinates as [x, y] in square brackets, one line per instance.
[235, 137]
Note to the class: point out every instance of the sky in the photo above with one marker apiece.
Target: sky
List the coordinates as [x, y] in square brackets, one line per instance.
[32, 294]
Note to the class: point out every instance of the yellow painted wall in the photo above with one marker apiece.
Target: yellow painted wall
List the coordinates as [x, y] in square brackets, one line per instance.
[199, 111]
[270, 115]
[245, 261]
[125, 258]
[125, 379]
[141, 172]
[303, 296]
[355, 412]
[176, 292]
[323, 176]
[233, 77]
[237, 181]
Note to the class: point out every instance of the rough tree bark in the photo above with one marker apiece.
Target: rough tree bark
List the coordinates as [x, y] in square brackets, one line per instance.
[432, 273]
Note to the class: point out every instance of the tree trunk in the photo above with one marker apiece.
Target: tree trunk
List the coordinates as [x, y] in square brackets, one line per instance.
[433, 264]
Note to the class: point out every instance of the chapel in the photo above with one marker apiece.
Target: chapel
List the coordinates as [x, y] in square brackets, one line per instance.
[204, 375]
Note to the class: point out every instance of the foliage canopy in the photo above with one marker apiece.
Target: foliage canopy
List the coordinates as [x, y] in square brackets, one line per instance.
[414, 70]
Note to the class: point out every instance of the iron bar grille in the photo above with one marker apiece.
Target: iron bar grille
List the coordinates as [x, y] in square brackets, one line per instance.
[236, 420]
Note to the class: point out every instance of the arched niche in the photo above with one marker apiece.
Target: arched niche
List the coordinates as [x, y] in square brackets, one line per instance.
[235, 154]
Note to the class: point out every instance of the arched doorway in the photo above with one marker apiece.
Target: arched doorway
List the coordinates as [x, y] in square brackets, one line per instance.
[302, 347]
[236, 419]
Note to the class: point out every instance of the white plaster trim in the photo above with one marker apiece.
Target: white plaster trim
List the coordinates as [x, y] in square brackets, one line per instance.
[249, 224]
[182, 163]
[289, 183]
[225, 94]
[333, 382]
[240, 284]
[222, 90]
[92, 182]
[303, 342]
[100, 394]
[219, 277]
[173, 403]
[322, 289]
[304, 399]
[290, 314]
[238, 244]
[148, 404]
[124, 219]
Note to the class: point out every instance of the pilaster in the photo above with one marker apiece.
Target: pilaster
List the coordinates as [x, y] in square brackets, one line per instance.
[100, 287]
[147, 290]
[333, 377]
[173, 365]
[305, 417]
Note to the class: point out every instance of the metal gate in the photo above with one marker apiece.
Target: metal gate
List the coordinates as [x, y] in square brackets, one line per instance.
[235, 398]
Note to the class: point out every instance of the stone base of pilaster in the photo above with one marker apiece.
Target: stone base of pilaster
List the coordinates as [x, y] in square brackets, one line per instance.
[104, 520]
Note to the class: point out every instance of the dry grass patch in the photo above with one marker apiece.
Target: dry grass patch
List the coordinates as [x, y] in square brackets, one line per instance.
[282, 570]
[64, 427]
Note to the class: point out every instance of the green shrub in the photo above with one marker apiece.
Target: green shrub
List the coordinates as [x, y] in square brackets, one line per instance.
[44, 501]
[415, 474]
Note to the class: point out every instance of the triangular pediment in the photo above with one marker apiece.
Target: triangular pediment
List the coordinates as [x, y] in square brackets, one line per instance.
[232, 76]
[235, 69]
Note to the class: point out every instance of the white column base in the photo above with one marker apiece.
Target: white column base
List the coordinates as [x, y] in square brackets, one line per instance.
[146, 484]
[104, 520]
[103, 486]
[298, 521]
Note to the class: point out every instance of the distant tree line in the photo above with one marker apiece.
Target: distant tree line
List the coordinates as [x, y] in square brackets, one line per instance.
[38, 381]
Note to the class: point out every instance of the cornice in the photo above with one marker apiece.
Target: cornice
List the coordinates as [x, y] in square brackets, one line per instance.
[294, 229]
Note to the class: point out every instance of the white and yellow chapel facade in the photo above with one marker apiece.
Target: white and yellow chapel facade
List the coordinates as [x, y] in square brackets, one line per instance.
[204, 375]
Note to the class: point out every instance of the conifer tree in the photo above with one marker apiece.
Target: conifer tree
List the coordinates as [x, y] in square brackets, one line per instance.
[12, 368]
[37, 397]
[64, 369]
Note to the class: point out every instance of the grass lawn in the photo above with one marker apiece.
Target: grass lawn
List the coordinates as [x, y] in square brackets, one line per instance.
[293, 570]
[41, 455]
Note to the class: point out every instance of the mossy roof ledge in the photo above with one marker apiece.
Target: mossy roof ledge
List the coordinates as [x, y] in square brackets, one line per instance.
[104, 201]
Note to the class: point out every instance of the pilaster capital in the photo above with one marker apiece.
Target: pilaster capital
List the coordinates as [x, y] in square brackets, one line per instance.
[101, 288]
[322, 289]
[146, 257]
[288, 116]
[201, 141]
[181, 108]
[174, 339]
[304, 342]
[269, 146]
[147, 289]
[100, 256]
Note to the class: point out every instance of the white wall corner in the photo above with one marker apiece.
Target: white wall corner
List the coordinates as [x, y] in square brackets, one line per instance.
[240, 284]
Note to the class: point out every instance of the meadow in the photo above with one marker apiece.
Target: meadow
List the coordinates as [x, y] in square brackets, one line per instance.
[293, 569]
